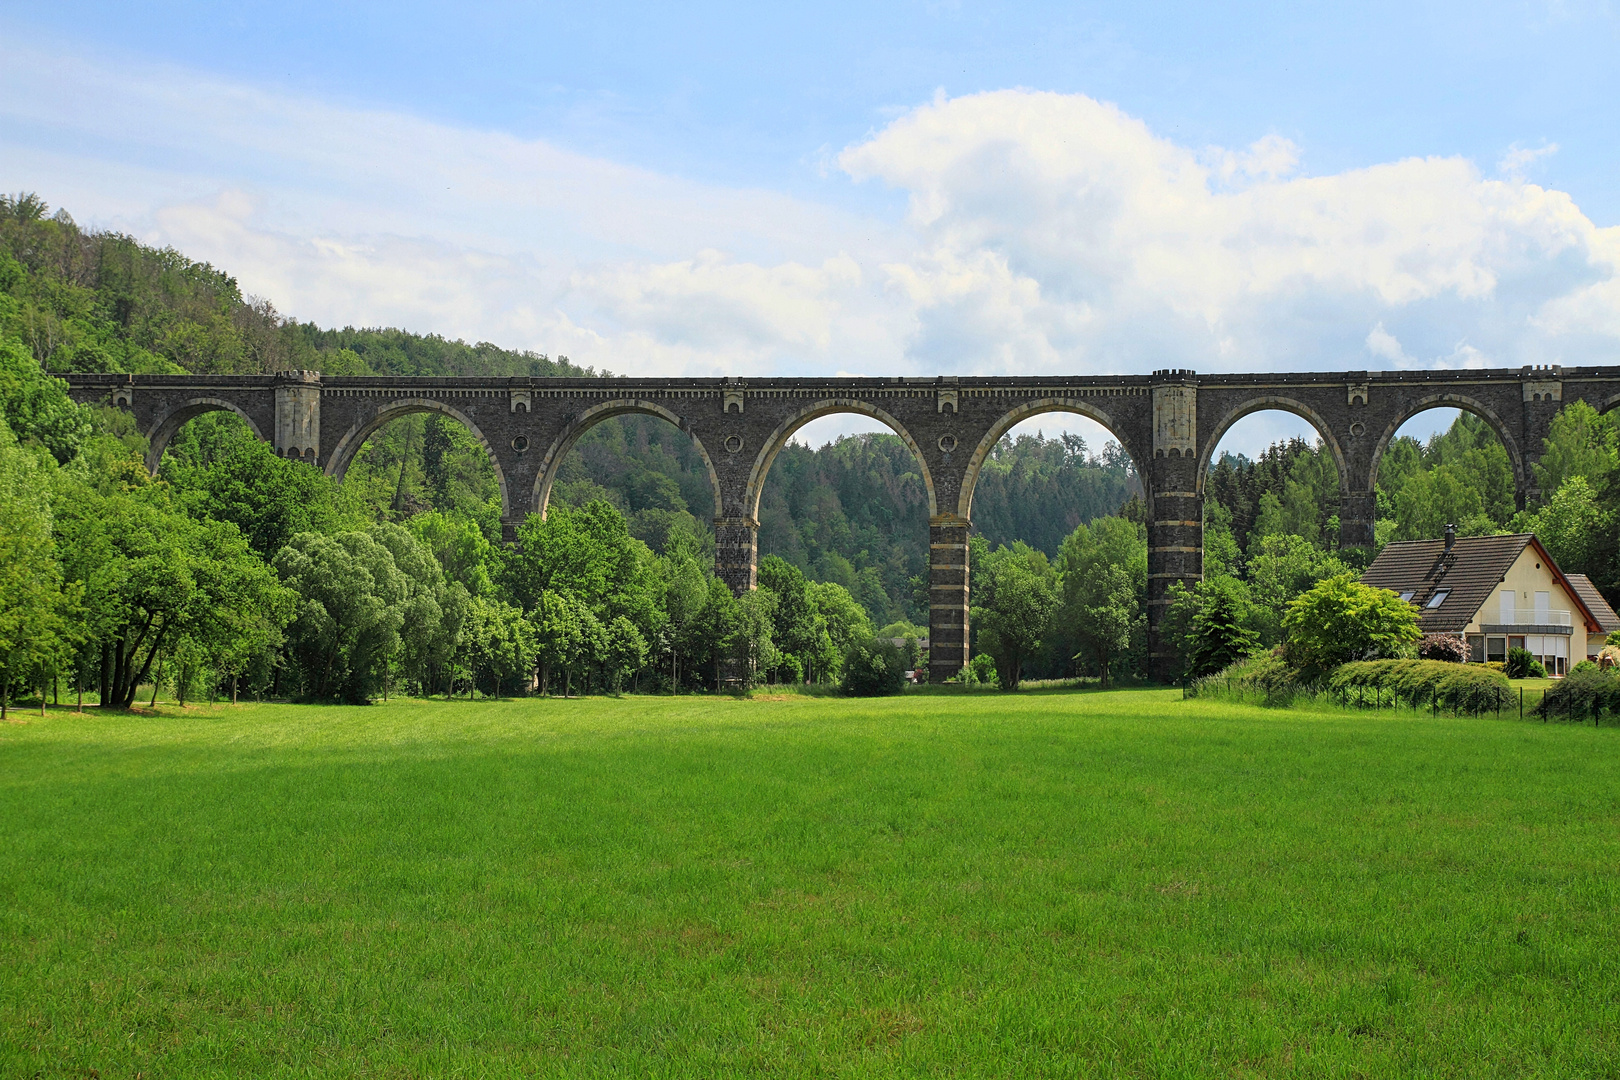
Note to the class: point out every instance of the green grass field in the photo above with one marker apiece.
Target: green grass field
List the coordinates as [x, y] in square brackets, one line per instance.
[1109, 884]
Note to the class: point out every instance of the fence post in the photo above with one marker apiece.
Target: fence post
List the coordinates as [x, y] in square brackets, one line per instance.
[1521, 703]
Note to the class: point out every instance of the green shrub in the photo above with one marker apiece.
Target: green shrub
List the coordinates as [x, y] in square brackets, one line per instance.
[1580, 692]
[874, 667]
[1341, 619]
[980, 671]
[1584, 665]
[1522, 665]
[1467, 687]
[1267, 675]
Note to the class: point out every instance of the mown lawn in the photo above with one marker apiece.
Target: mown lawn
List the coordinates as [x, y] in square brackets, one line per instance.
[1111, 884]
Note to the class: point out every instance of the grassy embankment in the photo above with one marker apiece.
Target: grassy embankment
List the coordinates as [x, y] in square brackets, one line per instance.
[1040, 884]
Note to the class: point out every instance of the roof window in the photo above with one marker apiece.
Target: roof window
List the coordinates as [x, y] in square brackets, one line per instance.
[1438, 598]
[1407, 595]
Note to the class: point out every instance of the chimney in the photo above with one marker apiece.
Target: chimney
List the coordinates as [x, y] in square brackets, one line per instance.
[1451, 537]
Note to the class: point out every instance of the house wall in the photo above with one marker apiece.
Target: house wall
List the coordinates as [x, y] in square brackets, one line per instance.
[1529, 575]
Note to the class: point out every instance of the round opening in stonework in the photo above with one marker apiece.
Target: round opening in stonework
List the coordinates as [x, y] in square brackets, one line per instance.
[521, 443]
[947, 442]
[1358, 429]
[733, 444]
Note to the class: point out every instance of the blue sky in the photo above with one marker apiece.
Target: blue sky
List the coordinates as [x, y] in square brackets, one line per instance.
[869, 188]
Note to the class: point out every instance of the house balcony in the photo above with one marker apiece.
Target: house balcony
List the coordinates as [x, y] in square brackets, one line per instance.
[1530, 621]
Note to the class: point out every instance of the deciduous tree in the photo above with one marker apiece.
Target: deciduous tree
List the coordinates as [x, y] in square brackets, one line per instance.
[1103, 569]
[352, 604]
[1341, 619]
[1015, 594]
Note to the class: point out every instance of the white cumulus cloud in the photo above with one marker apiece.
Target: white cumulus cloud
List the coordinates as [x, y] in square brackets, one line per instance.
[1057, 232]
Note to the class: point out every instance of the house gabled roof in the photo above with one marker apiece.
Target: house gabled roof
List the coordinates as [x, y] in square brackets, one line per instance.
[1469, 573]
[1607, 620]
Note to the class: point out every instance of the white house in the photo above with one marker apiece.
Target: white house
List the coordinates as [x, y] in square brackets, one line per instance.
[1501, 593]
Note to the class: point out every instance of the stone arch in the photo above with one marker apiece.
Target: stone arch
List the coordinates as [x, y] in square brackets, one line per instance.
[163, 431]
[784, 431]
[1010, 420]
[1450, 400]
[552, 462]
[1609, 404]
[1277, 403]
[338, 462]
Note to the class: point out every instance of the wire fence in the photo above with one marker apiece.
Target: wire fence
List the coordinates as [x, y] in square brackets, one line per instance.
[1536, 703]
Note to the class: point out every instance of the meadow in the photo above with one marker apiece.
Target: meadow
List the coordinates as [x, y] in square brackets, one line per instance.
[1043, 884]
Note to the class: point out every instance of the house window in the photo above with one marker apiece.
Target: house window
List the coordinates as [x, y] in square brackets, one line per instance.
[1407, 595]
[1496, 649]
[1476, 648]
[1438, 598]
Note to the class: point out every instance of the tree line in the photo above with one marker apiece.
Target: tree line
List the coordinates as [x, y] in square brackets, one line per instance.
[235, 571]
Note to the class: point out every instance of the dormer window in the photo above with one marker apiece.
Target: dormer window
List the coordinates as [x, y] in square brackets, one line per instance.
[1438, 598]
[1406, 597]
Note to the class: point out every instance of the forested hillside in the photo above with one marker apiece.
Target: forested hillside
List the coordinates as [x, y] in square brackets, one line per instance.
[1059, 579]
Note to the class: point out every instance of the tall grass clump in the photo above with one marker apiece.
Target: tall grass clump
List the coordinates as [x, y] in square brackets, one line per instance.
[1266, 677]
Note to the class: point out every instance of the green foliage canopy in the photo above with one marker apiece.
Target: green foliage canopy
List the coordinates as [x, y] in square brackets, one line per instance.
[1340, 620]
[1104, 586]
[1015, 593]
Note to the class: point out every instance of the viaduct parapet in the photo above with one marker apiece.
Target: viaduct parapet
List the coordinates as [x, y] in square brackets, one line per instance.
[1169, 422]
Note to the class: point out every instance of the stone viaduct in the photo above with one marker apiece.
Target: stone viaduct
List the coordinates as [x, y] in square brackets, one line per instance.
[1169, 422]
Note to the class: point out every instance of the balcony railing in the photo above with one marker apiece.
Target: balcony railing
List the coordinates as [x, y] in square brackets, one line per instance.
[1532, 617]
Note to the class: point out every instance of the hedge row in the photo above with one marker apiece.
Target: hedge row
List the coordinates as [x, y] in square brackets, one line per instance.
[1582, 693]
[1456, 686]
